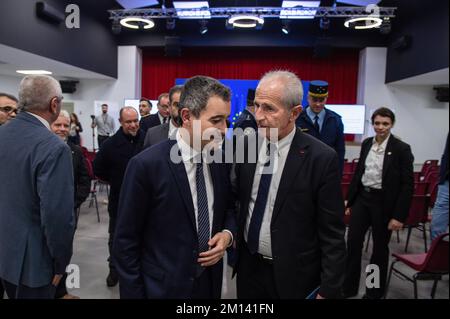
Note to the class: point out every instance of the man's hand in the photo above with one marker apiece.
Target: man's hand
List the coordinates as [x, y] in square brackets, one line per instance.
[395, 225]
[56, 280]
[218, 245]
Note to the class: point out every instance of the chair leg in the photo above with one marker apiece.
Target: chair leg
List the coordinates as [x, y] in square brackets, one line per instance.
[407, 238]
[415, 286]
[96, 207]
[433, 290]
[425, 237]
[368, 240]
[389, 278]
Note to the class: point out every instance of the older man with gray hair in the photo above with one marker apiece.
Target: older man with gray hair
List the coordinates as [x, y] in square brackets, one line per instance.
[36, 194]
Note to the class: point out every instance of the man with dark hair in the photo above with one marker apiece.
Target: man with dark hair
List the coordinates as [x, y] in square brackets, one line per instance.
[167, 130]
[159, 118]
[321, 122]
[145, 107]
[105, 126]
[110, 164]
[8, 107]
[246, 120]
[166, 248]
[36, 194]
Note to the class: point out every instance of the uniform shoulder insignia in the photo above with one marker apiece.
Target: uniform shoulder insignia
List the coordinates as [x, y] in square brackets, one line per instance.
[305, 130]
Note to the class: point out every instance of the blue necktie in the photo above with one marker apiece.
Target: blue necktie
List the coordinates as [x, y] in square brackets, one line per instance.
[260, 206]
[316, 124]
[203, 214]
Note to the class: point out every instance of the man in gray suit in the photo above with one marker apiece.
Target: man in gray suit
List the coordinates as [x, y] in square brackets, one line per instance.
[36, 194]
[164, 131]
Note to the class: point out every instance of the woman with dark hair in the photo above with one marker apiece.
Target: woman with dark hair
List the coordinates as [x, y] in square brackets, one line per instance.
[75, 129]
[379, 197]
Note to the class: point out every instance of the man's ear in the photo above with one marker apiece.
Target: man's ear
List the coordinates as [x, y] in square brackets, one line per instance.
[185, 115]
[54, 106]
[296, 110]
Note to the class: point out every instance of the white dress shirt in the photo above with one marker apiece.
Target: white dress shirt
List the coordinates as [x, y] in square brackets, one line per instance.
[373, 174]
[161, 118]
[172, 129]
[283, 147]
[42, 120]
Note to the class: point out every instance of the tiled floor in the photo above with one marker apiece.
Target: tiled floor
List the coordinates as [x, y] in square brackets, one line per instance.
[91, 252]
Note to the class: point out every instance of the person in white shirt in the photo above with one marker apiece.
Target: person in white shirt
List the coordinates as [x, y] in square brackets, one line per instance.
[379, 197]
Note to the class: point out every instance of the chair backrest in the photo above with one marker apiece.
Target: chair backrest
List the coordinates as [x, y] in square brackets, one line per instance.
[432, 175]
[348, 168]
[420, 188]
[347, 177]
[344, 188]
[426, 165]
[433, 193]
[354, 164]
[90, 169]
[418, 212]
[436, 260]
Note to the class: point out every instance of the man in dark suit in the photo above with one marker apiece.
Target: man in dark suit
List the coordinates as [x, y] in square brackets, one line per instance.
[82, 182]
[173, 226]
[8, 111]
[36, 194]
[145, 107]
[321, 122]
[379, 196]
[246, 120]
[162, 132]
[162, 117]
[110, 164]
[290, 228]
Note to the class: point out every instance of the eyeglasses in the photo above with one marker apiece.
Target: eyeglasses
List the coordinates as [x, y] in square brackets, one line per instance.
[9, 109]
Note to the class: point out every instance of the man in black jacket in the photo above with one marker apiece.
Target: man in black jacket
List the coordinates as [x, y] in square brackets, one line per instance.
[110, 164]
[82, 181]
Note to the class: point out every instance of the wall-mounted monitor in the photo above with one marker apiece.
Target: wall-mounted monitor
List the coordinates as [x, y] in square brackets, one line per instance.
[353, 116]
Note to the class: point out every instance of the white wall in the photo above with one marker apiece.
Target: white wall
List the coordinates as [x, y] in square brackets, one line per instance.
[91, 94]
[9, 84]
[422, 121]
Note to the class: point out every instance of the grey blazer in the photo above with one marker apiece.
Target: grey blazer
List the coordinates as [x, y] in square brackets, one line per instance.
[156, 135]
[36, 203]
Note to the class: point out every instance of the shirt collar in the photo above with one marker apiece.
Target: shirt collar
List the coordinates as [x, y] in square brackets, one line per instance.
[312, 115]
[382, 145]
[283, 145]
[187, 152]
[42, 120]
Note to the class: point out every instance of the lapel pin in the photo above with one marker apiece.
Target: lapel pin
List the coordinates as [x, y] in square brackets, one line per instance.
[302, 152]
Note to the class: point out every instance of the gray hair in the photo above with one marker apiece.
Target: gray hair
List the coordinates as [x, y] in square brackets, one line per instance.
[65, 114]
[36, 92]
[198, 90]
[173, 90]
[293, 88]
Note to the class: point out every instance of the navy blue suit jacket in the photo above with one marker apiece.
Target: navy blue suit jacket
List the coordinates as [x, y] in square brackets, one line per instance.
[332, 132]
[36, 203]
[156, 243]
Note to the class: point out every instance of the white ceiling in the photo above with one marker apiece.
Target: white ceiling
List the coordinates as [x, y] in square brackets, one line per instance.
[439, 77]
[12, 59]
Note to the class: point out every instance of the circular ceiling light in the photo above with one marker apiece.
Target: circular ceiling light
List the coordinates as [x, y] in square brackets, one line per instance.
[245, 21]
[137, 23]
[362, 23]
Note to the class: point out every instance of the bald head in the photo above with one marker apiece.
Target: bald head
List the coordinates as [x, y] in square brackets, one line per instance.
[129, 120]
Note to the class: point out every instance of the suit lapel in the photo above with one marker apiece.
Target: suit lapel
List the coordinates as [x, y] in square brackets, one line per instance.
[388, 155]
[180, 176]
[298, 154]
[218, 194]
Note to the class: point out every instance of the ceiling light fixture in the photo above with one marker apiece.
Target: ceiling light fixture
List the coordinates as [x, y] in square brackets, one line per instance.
[245, 21]
[137, 23]
[363, 23]
[34, 72]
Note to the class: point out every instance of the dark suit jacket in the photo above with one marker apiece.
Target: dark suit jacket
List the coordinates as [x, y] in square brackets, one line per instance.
[149, 122]
[156, 243]
[36, 203]
[398, 178]
[332, 132]
[111, 162]
[80, 175]
[307, 228]
[156, 135]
